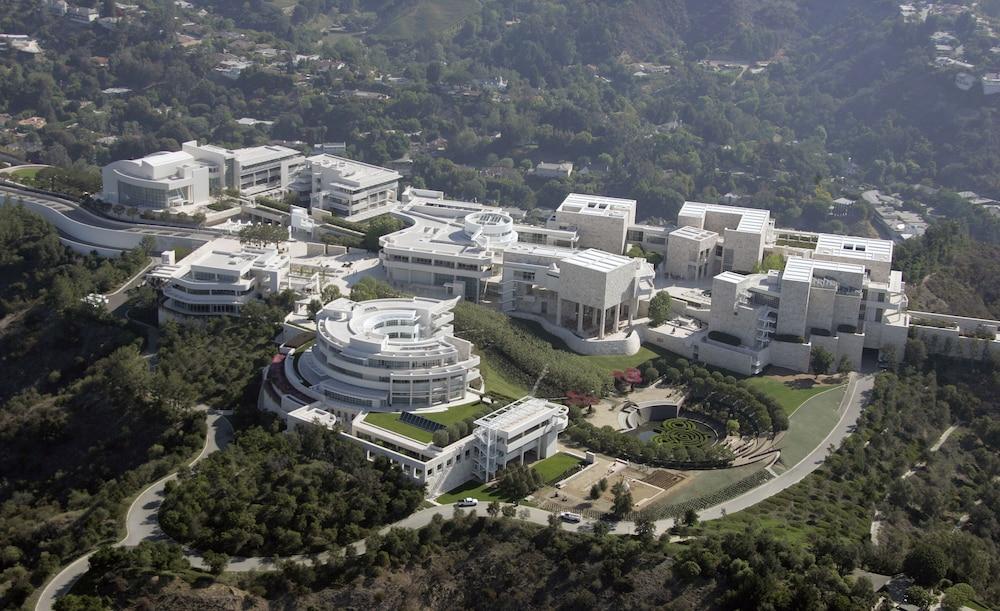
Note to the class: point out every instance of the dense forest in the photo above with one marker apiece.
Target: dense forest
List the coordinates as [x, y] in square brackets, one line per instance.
[284, 494]
[848, 97]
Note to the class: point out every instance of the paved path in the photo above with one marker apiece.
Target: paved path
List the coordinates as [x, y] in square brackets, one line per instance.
[70, 209]
[140, 522]
[943, 438]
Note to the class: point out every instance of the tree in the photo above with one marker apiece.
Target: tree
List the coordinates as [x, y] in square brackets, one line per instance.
[493, 508]
[508, 511]
[440, 438]
[844, 365]
[820, 360]
[216, 561]
[732, 427]
[77, 602]
[915, 595]
[622, 503]
[690, 517]
[595, 492]
[645, 529]
[957, 596]
[650, 375]
[926, 563]
[915, 353]
[313, 308]
[330, 292]
[378, 227]
[661, 309]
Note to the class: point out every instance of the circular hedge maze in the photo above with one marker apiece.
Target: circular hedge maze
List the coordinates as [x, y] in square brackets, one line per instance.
[684, 433]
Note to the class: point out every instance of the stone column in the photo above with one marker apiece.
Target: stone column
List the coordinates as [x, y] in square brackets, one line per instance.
[559, 320]
[579, 319]
[600, 330]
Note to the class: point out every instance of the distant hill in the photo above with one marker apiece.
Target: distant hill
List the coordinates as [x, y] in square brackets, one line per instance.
[415, 18]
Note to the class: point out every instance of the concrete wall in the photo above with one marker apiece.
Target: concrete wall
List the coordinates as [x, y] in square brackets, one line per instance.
[793, 309]
[726, 357]
[951, 343]
[789, 355]
[680, 342]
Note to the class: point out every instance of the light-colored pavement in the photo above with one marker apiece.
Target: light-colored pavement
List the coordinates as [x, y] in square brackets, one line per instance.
[118, 297]
[141, 521]
[69, 208]
[943, 438]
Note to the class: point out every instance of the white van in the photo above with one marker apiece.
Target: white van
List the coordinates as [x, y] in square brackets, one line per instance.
[569, 516]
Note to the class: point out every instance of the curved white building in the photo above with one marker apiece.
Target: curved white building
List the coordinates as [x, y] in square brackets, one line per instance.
[391, 354]
[218, 279]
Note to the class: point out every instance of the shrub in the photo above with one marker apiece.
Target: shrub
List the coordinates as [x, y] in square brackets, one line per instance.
[724, 338]
[790, 339]
[523, 356]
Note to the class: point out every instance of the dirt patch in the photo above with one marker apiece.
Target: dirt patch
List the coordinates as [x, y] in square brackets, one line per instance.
[646, 485]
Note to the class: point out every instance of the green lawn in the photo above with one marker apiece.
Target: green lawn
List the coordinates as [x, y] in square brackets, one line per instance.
[552, 468]
[391, 420]
[809, 425]
[618, 363]
[25, 173]
[460, 412]
[790, 395]
[496, 382]
[473, 488]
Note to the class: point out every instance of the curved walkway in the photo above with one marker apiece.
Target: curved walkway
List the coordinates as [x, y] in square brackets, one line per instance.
[142, 522]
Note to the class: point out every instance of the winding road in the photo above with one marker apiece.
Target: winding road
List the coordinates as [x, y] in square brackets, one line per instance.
[143, 525]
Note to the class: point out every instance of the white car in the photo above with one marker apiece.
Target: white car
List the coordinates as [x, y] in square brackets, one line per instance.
[569, 516]
[468, 502]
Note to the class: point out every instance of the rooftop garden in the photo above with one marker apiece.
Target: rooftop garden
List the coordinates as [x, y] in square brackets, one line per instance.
[455, 422]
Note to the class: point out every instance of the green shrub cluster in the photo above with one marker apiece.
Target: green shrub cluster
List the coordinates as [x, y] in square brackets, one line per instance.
[524, 357]
[285, 493]
[725, 338]
[609, 441]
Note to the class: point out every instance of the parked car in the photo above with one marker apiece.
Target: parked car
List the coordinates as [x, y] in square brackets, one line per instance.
[569, 516]
[468, 502]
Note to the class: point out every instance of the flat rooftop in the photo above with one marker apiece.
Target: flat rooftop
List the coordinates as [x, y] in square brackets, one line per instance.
[163, 158]
[692, 233]
[597, 205]
[510, 417]
[798, 269]
[752, 220]
[599, 260]
[867, 249]
[262, 154]
[353, 172]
